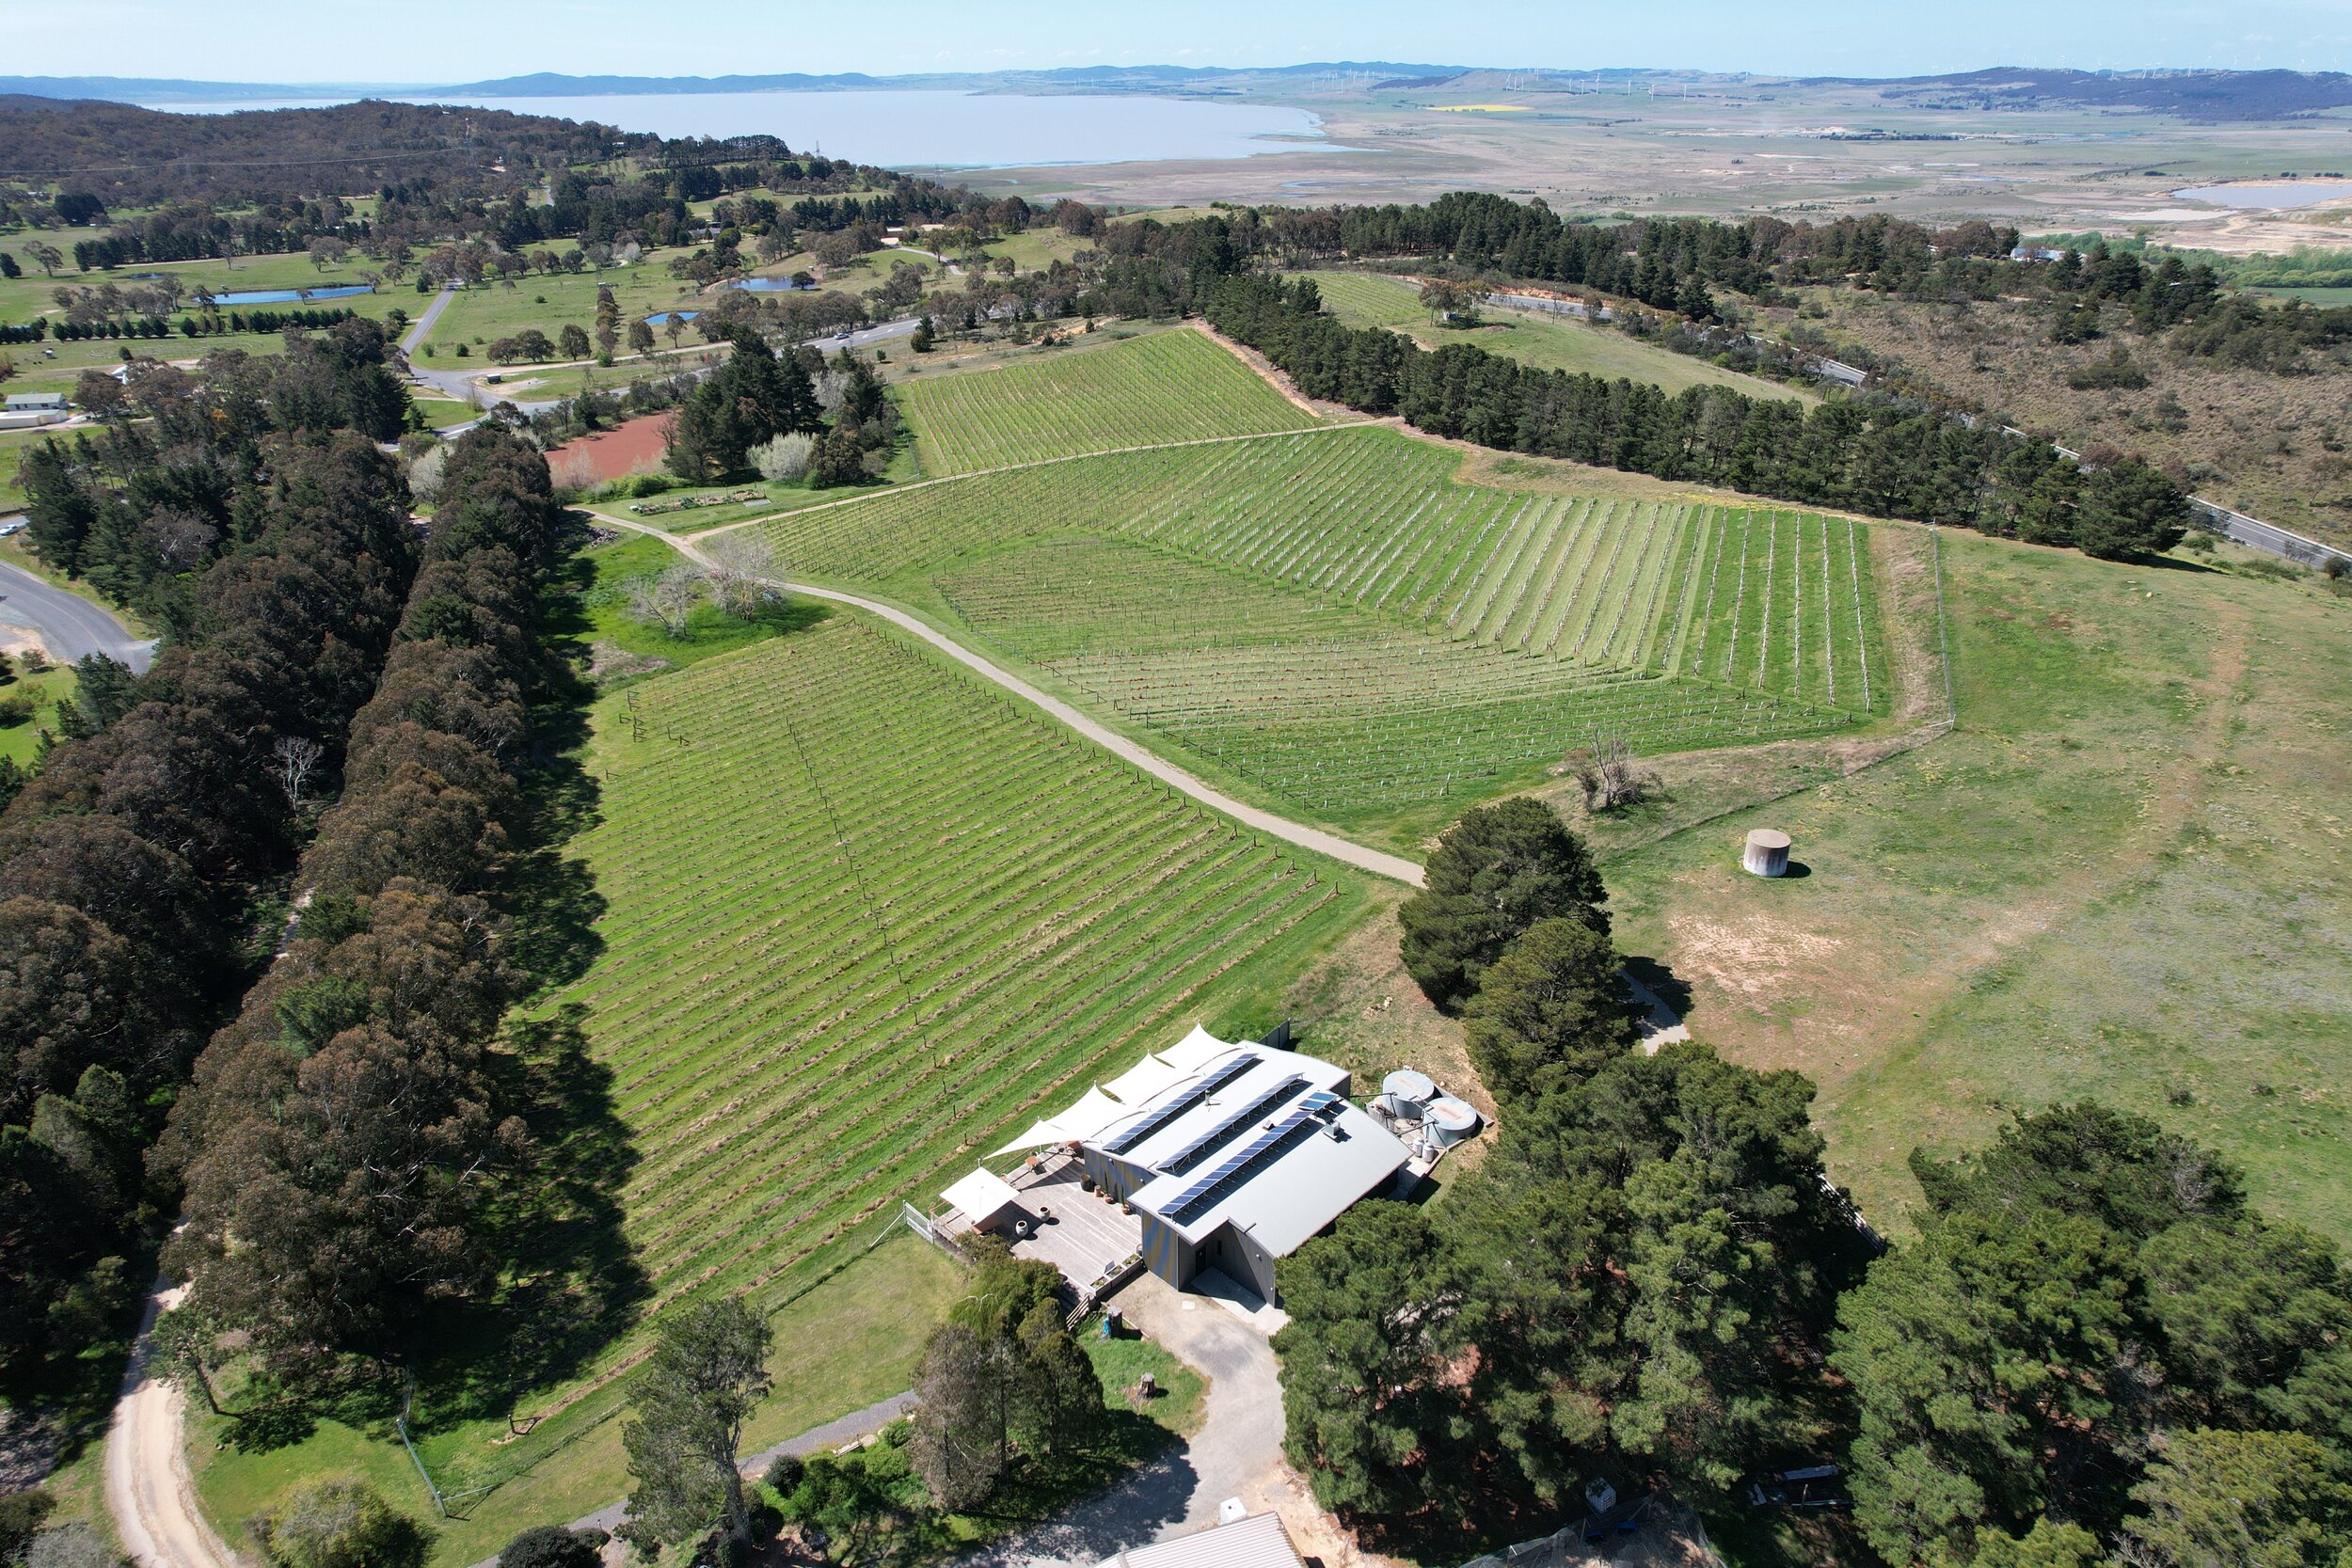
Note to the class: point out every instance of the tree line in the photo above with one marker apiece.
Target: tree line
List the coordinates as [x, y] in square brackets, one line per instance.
[132, 863]
[1880, 455]
[343, 1135]
[2094, 1350]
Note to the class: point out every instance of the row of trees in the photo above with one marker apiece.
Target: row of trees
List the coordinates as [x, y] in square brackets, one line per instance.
[1876, 456]
[2094, 1350]
[129, 864]
[342, 1136]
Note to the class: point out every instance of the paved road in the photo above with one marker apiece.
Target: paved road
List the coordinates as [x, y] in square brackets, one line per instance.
[1395, 868]
[149, 1490]
[67, 624]
[832, 1434]
[414, 337]
[1235, 1454]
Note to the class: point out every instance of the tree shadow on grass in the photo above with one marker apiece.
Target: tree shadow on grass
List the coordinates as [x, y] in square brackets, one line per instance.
[1663, 983]
[571, 1284]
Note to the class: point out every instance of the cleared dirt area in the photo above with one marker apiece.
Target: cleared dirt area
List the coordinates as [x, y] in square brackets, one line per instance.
[634, 447]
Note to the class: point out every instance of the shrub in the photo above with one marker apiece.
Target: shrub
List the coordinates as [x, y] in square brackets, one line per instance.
[341, 1522]
[18, 707]
[786, 457]
[551, 1546]
[74, 1545]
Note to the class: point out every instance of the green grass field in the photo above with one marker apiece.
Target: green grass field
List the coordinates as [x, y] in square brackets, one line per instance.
[1369, 299]
[1330, 620]
[1164, 387]
[482, 314]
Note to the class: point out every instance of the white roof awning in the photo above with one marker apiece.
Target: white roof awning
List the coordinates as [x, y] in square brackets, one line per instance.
[1195, 1051]
[1082, 1121]
[981, 1196]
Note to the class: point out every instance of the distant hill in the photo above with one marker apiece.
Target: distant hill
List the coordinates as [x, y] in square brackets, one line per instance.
[2205, 95]
[126, 154]
[2198, 95]
[162, 90]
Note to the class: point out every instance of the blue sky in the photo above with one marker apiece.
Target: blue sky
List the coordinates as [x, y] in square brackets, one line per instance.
[452, 41]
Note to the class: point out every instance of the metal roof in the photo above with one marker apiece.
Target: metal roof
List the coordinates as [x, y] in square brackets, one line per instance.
[1242, 1134]
[1259, 1541]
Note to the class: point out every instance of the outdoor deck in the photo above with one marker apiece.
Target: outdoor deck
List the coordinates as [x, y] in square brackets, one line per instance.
[1076, 1231]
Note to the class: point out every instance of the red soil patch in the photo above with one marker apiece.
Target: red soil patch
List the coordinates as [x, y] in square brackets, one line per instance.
[635, 447]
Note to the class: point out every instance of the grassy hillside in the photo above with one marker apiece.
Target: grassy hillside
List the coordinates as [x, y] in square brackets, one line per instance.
[1371, 299]
[1164, 387]
[2127, 873]
[1329, 620]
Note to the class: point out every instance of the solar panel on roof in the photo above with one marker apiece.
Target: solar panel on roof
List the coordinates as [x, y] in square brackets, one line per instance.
[1159, 1117]
[1222, 1133]
[1303, 1122]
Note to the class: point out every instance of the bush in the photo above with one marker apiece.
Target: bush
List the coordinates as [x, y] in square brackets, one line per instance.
[786, 457]
[552, 1547]
[783, 1474]
[21, 1515]
[341, 1522]
[18, 707]
[424, 475]
[74, 1545]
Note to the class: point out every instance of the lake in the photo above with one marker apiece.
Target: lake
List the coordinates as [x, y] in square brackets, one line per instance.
[2268, 196]
[930, 129]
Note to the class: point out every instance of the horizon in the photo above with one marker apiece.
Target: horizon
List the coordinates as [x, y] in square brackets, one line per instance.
[142, 39]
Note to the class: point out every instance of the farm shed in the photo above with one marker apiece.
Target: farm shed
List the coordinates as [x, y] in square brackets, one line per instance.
[1231, 1155]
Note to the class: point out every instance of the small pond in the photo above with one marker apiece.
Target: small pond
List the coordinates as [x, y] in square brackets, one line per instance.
[661, 318]
[283, 296]
[768, 285]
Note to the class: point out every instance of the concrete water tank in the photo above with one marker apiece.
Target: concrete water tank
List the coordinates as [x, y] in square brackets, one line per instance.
[1449, 1121]
[1404, 1093]
[1767, 854]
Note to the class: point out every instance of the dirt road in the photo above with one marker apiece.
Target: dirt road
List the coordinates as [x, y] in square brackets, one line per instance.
[149, 1490]
[1395, 868]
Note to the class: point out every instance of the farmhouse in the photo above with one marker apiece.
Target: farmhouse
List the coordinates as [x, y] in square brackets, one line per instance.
[1209, 1155]
[25, 410]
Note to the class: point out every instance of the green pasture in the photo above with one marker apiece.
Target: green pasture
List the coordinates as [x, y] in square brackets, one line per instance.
[619, 567]
[1369, 299]
[2127, 873]
[481, 315]
[1160, 388]
[852, 1340]
[1328, 622]
[22, 298]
